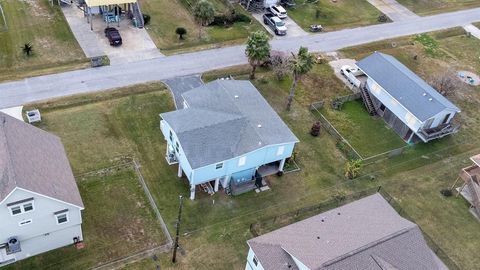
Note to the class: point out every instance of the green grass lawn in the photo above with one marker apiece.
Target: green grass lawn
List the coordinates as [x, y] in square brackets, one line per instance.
[168, 15]
[428, 7]
[125, 122]
[334, 16]
[117, 221]
[368, 135]
[43, 26]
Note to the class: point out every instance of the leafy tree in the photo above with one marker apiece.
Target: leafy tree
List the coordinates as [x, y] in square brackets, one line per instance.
[300, 65]
[257, 50]
[204, 14]
[352, 168]
[280, 64]
[447, 84]
[27, 49]
[180, 31]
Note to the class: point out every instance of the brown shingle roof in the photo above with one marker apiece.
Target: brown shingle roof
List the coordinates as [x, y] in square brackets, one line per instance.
[367, 234]
[35, 160]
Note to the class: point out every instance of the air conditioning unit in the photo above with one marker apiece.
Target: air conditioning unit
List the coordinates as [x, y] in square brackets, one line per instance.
[13, 245]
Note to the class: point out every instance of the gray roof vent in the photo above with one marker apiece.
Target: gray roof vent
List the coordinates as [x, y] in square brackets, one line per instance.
[236, 96]
[430, 99]
[424, 94]
[259, 125]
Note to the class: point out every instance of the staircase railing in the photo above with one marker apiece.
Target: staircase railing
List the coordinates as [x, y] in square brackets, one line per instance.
[367, 100]
[137, 15]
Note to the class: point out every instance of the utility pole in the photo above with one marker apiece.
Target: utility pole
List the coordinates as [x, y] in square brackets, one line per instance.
[175, 247]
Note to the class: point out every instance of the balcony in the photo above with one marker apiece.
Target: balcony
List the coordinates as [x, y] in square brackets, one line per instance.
[437, 132]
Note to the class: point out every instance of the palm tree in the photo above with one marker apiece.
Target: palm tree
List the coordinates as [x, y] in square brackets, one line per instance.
[204, 14]
[257, 50]
[27, 49]
[352, 168]
[300, 65]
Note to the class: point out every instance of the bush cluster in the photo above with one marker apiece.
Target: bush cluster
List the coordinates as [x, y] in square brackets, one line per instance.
[222, 20]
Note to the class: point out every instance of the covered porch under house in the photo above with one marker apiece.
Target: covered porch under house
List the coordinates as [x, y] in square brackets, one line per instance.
[232, 184]
[112, 12]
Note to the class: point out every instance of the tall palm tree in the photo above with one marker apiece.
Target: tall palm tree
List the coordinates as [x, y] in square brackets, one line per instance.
[257, 50]
[300, 65]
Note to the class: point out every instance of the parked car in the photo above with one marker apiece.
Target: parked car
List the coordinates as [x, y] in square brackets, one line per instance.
[278, 11]
[113, 36]
[350, 74]
[275, 23]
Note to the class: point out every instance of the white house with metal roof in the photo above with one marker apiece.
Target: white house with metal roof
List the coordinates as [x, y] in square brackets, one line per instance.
[414, 110]
[40, 205]
[226, 134]
[367, 234]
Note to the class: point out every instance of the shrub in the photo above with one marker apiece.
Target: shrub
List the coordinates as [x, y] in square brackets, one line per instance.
[280, 65]
[27, 49]
[352, 168]
[446, 192]
[242, 18]
[382, 18]
[180, 31]
[315, 131]
[146, 19]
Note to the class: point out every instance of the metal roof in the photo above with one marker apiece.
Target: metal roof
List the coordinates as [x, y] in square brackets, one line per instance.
[367, 234]
[35, 160]
[226, 119]
[406, 87]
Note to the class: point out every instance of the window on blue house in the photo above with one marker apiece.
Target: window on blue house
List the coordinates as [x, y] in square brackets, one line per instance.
[219, 166]
[171, 136]
[242, 161]
[177, 146]
[280, 150]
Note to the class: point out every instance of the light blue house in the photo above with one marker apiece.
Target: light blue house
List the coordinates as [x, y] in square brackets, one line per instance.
[226, 134]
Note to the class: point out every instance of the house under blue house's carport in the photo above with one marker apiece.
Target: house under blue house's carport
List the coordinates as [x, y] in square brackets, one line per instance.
[227, 134]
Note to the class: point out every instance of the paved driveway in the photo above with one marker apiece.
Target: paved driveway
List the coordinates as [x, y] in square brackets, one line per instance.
[180, 85]
[99, 79]
[394, 10]
[137, 44]
[293, 29]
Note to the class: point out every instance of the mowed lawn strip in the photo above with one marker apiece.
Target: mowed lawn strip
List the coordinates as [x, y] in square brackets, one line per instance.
[45, 28]
[117, 221]
[334, 15]
[368, 135]
[166, 16]
[429, 7]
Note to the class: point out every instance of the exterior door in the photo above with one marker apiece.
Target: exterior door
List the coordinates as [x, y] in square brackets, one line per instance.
[445, 120]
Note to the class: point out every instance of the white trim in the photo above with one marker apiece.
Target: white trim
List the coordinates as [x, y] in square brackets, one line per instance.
[48, 197]
[280, 150]
[22, 208]
[25, 222]
[67, 216]
[11, 192]
[242, 160]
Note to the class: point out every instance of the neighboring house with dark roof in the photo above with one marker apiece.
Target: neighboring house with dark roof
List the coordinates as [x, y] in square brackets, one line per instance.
[40, 205]
[367, 234]
[414, 110]
[226, 134]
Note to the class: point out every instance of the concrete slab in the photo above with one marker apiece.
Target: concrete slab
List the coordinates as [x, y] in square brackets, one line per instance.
[394, 10]
[137, 44]
[180, 85]
[337, 65]
[293, 29]
[473, 30]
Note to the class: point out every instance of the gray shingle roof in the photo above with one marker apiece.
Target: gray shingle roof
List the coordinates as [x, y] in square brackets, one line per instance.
[35, 160]
[226, 119]
[367, 234]
[405, 86]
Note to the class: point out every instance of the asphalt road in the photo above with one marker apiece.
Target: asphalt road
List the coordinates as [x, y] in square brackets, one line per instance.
[103, 78]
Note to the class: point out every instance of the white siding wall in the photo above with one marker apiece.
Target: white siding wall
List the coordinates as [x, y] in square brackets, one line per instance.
[250, 264]
[43, 234]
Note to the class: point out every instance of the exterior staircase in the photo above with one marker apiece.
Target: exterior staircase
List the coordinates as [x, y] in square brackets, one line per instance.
[367, 100]
[137, 15]
[207, 187]
[474, 189]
